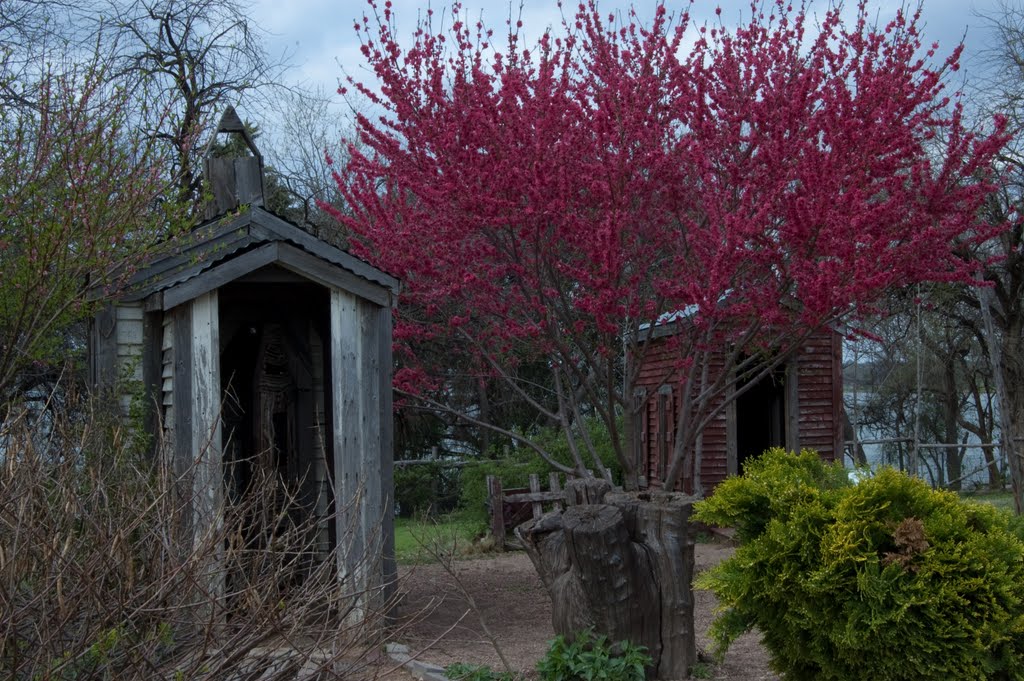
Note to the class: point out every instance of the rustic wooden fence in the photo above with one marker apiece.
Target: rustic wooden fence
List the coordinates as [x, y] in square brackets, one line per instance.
[512, 507]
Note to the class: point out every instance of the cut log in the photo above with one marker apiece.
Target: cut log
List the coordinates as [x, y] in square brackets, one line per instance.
[622, 564]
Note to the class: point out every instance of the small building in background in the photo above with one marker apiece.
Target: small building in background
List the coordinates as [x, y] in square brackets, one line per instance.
[799, 406]
[257, 349]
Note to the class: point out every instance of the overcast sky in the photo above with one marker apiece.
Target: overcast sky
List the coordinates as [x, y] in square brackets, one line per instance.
[319, 38]
[319, 34]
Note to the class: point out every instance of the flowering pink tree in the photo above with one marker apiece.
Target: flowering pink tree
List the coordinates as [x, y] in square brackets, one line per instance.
[763, 181]
[548, 202]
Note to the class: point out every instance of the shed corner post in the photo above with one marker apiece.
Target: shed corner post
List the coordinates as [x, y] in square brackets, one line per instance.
[206, 445]
[349, 489]
[387, 453]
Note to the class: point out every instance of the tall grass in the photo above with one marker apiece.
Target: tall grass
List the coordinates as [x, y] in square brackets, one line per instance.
[107, 571]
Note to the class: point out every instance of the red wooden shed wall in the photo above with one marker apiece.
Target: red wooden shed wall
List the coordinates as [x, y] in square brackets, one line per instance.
[818, 409]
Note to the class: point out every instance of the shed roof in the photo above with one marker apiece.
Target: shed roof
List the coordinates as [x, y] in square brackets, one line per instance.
[229, 247]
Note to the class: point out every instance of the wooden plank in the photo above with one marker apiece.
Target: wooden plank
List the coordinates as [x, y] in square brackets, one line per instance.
[248, 180]
[129, 324]
[555, 486]
[167, 375]
[495, 505]
[220, 172]
[272, 274]
[152, 376]
[535, 497]
[125, 312]
[538, 508]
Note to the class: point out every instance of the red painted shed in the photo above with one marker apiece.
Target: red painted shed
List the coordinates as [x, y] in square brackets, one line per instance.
[798, 406]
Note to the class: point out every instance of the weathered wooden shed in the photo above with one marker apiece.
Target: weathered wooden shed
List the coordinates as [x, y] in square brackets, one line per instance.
[253, 343]
[798, 406]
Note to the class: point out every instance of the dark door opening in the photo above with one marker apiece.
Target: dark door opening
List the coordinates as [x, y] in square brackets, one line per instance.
[761, 417]
[275, 467]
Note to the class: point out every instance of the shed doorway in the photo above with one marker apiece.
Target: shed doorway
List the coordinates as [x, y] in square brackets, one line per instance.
[274, 433]
[761, 417]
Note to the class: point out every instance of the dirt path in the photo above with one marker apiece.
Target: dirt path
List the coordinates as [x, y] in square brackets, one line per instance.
[437, 619]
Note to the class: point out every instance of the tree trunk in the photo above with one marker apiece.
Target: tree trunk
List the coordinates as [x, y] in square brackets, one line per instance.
[622, 564]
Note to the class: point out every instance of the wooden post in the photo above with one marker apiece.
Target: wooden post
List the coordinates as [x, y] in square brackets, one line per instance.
[556, 488]
[538, 508]
[494, 502]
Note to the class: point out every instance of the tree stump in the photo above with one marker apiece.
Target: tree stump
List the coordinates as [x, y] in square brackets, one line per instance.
[622, 564]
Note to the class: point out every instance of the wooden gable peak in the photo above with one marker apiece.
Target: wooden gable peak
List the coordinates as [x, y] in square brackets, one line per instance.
[236, 180]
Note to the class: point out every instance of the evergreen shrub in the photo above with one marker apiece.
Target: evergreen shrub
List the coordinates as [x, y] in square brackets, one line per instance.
[886, 579]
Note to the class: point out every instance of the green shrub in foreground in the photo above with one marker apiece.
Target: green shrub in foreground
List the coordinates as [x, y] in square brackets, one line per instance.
[887, 579]
[593, 658]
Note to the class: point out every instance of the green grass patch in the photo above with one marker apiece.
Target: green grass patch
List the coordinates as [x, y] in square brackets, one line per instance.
[1001, 499]
[419, 540]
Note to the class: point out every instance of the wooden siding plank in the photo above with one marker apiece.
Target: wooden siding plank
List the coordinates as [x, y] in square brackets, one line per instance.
[130, 336]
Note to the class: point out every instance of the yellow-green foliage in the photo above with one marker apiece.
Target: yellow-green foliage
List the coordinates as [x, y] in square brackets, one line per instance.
[887, 579]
